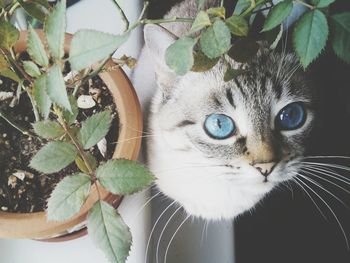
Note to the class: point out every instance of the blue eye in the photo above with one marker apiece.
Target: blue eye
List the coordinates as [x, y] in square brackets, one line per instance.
[219, 126]
[291, 117]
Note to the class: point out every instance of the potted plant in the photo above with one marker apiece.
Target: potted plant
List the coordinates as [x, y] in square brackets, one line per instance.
[59, 108]
[53, 73]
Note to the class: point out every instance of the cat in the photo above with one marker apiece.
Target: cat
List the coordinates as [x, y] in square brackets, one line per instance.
[218, 148]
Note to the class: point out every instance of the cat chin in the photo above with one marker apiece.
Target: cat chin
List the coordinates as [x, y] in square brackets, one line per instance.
[207, 203]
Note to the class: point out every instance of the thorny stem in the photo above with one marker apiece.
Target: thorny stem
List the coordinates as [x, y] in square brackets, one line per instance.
[13, 9]
[159, 21]
[75, 142]
[14, 64]
[145, 6]
[32, 101]
[91, 75]
[305, 4]
[8, 119]
[97, 190]
[122, 13]
[12, 61]
[254, 4]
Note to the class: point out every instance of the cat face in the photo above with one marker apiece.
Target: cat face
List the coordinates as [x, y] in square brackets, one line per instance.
[219, 147]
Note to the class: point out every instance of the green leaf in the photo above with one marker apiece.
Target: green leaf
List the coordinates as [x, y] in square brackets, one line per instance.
[231, 73]
[310, 36]
[68, 116]
[41, 97]
[201, 3]
[237, 25]
[216, 40]
[243, 50]
[3, 63]
[278, 14]
[8, 73]
[68, 197]
[124, 177]
[179, 55]
[95, 128]
[8, 35]
[274, 36]
[217, 11]
[341, 35]
[53, 157]
[2, 3]
[36, 49]
[48, 129]
[90, 46]
[202, 63]
[202, 20]
[81, 164]
[109, 232]
[55, 28]
[241, 5]
[33, 10]
[56, 88]
[31, 68]
[44, 3]
[321, 3]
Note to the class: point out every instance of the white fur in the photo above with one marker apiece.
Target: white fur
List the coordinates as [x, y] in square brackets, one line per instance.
[184, 173]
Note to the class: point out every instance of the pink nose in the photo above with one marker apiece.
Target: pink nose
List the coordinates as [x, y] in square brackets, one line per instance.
[265, 168]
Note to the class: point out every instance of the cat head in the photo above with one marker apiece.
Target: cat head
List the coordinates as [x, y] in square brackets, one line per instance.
[219, 147]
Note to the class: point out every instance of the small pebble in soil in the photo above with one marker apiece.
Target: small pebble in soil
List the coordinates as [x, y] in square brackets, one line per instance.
[25, 190]
[86, 102]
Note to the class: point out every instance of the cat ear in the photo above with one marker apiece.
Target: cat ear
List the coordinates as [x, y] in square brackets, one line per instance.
[157, 40]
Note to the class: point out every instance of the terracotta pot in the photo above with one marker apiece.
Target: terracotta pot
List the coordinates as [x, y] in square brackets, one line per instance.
[35, 225]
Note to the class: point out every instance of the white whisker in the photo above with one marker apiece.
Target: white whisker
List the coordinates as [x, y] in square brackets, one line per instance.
[340, 167]
[329, 181]
[153, 228]
[145, 204]
[327, 157]
[163, 230]
[172, 238]
[133, 138]
[330, 209]
[322, 188]
[311, 198]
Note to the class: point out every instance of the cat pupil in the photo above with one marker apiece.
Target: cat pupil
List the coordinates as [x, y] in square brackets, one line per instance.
[291, 117]
[219, 126]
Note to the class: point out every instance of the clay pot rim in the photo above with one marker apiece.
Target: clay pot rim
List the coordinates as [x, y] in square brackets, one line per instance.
[128, 147]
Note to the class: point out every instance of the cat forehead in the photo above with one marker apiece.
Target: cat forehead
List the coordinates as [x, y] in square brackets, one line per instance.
[259, 85]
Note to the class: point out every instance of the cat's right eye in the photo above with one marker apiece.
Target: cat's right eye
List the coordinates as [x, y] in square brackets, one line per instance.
[219, 126]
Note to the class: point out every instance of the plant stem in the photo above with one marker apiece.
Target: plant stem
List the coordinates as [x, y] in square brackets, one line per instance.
[32, 101]
[91, 75]
[305, 4]
[14, 64]
[8, 119]
[222, 3]
[145, 6]
[13, 9]
[254, 4]
[262, 9]
[75, 142]
[97, 190]
[124, 17]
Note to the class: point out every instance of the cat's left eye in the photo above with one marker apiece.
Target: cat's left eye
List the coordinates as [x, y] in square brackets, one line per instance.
[291, 117]
[219, 126]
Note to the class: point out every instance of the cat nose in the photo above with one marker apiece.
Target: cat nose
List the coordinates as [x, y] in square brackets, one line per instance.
[265, 168]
